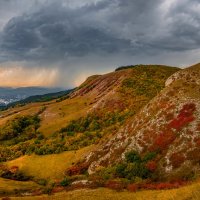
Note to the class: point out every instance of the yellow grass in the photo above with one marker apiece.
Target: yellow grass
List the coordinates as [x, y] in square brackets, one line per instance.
[9, 186]
[191, 192]
[57, 115]
[48, 166]
[9, 114]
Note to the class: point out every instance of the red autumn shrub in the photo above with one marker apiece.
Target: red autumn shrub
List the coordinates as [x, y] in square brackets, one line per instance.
[115, 185]
[57, 189]
[185, 117]
[132, 187]
[163, 140]
[162, 186]
[148, 186]
[151, 166]
[77, 169]
[14, 169]
[180, 122]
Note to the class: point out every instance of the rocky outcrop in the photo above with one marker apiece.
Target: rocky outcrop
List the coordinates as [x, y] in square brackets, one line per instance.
[168, 125]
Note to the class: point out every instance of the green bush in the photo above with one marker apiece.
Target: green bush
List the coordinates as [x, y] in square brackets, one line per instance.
[65, 182]
[133, 156]
[134, 167]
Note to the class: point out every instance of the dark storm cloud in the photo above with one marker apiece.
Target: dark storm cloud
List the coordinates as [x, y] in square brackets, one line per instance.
[99, 33]
[57, 31]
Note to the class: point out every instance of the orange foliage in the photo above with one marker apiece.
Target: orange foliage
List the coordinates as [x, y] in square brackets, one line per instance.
[132, 187]
[77, 169]
[151, 165]
[115, 185]
[163, 140]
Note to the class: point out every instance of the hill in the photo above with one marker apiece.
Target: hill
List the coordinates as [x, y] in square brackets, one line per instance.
[139, 124]
[167, 128]
[40, 98]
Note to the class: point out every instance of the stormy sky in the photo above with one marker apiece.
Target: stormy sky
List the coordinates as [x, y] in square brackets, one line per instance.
[61, 42]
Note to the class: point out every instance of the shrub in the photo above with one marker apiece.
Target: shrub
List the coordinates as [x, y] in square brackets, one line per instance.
[151, 166]
[163, 140]
[115, 185]
[20, 129]
[132, 187]
[107, 173]
[133, 156]
[13, 173]
[149, 156]
[120, 170]
[136, 167]
[42, 182]
[65, 182]
[77, 169]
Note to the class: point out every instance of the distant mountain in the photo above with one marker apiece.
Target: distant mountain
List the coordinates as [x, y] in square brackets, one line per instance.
[61, 95]
[9, 95]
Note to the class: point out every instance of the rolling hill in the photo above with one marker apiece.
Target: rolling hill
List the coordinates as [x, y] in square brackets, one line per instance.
[168, 126]
[136, 126]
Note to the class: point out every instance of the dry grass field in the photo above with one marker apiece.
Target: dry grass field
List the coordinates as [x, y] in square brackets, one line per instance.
[48, 166]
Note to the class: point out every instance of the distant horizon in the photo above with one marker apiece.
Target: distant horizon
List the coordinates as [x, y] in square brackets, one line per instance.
[42, 87]
[66, 88]
[63, 87]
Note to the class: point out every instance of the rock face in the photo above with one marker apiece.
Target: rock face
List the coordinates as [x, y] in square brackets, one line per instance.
[168, 125]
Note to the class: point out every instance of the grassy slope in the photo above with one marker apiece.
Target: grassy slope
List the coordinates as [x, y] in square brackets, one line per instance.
[191, 192]
[48, 166]
[9, 186]
[58, 114]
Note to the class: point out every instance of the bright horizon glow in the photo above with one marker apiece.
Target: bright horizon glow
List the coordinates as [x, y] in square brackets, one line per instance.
[27, 77]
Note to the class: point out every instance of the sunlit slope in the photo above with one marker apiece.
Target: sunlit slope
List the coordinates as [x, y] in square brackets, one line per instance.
[49, 167]
[10, 186]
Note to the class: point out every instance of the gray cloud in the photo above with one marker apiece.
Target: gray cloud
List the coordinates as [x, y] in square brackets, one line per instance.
[56, 32]
[68, 33]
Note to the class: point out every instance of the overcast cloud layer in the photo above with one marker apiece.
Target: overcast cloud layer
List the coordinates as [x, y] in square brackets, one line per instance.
[75, 38]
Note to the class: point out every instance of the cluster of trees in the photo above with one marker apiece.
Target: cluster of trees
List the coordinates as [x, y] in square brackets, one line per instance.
[133, 167]
[20, 136]
[20, 129]
[95, 121]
